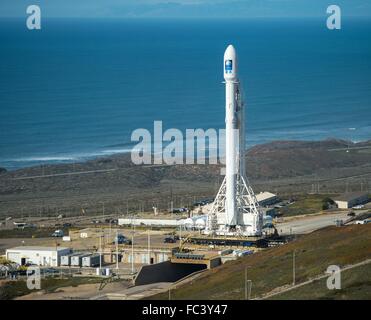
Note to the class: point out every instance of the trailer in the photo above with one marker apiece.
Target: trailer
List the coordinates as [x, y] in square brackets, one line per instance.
[66, 259]
[76, 260]
[91, 261]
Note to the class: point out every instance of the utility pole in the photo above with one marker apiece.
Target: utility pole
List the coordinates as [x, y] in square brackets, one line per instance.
[117, 251]
[132, 250]
[110, 231]
[100, 253]
[248, 285]
[149, 247]
[245, 283]
[293, 268]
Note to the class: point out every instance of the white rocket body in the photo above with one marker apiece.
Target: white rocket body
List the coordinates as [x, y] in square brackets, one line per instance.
[232, 134]
[235, 210]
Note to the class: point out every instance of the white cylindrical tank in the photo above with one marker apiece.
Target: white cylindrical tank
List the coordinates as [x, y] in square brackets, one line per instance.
[200, 223]
[188, 223]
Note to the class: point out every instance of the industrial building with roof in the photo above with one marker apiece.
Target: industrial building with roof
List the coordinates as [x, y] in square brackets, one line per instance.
[40, 256]
[266, 198]
[351, 199]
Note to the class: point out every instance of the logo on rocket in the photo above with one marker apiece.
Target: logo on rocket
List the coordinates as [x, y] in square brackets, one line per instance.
[228, 66]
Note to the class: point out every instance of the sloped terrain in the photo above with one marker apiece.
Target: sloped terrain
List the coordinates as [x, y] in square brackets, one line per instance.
[272, 268]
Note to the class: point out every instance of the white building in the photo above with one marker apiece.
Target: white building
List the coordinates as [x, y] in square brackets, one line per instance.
[150, 222]
[41, 256]
[351, 199]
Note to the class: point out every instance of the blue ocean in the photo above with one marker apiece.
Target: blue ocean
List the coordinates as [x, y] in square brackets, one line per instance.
[77, 89]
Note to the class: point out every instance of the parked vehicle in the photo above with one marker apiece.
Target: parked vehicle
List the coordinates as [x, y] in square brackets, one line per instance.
[58, 233]
[203, 202]
[178, 210]
[121, 239]
[169, 240]
[360, 206]
[362, 221]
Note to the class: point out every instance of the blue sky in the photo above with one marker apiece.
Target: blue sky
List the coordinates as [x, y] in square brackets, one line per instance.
[184, 8]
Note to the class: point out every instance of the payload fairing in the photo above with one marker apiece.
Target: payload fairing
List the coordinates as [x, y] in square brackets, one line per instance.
[235, 210]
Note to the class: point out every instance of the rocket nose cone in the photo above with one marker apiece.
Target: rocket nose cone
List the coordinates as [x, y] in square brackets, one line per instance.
[230, 63]
[230, 53]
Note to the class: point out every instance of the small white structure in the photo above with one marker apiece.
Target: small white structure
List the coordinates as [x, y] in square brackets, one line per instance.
[41, 256]
[76, 260]
[91, 260]
[351, 199]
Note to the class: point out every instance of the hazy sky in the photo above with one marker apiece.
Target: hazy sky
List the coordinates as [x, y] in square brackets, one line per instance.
[184, 8]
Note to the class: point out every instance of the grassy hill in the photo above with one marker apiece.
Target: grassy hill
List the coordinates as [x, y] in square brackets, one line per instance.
[272, 268]
[355, 284]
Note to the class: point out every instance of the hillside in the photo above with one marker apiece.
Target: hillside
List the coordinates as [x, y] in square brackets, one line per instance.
[355, 284]
[272, 268]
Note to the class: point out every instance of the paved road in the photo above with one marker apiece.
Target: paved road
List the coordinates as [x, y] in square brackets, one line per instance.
[135, 293]
[307, 224]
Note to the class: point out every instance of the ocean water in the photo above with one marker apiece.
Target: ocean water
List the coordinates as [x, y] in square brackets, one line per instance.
[78, 88]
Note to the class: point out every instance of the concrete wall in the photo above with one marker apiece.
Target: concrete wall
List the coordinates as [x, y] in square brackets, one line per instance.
[141, 255]
[165, 272]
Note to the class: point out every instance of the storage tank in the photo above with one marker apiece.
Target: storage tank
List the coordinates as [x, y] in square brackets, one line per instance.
[200, 223]
[188, 223]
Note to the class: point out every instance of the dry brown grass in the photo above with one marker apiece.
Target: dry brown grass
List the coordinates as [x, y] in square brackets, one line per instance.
[273, 268]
